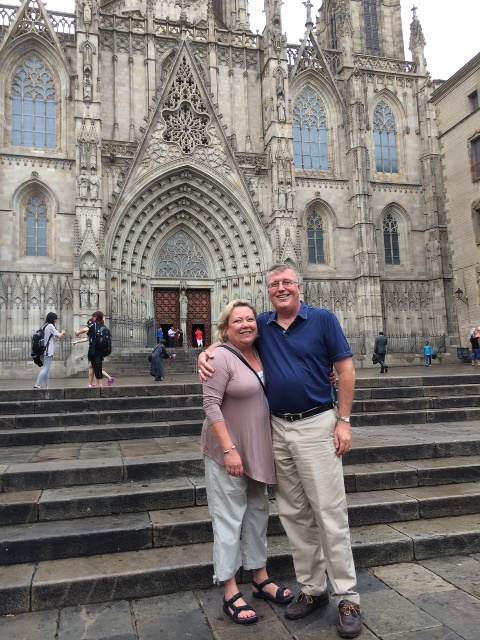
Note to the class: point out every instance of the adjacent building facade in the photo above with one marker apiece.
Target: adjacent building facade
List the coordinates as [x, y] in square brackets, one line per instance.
[156, 156]
[457, 102]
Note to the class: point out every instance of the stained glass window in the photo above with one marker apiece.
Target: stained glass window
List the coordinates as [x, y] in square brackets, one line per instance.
[33, 105]
[181, 257]
[36, 227]
[385, 138]
[390, 239]
[316, 254]
[310, 131]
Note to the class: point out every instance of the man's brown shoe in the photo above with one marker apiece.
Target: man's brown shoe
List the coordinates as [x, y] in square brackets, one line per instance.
[305, 604]
[349, 623]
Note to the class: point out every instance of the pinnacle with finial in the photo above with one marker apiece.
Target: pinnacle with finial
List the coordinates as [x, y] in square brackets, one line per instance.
[309, 7]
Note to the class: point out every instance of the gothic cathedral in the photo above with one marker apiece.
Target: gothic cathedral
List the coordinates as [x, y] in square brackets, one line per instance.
[157, 156]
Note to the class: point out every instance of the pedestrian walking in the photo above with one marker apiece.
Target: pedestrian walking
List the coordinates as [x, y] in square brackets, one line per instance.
[380, 350]
[475, 342]
[156, 358]
[91, 376]
[50, 336]
[199, 337]
[427, 352]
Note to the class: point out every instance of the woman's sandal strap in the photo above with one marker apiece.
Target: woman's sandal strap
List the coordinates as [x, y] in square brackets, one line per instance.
[260, 586]
[233, 599]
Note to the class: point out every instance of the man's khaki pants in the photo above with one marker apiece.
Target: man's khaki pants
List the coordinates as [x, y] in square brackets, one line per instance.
[312, 505]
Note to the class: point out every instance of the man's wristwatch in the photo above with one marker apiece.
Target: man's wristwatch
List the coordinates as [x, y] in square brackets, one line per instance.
[344, 419]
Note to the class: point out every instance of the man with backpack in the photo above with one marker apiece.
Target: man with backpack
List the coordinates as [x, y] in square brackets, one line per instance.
[99, 344]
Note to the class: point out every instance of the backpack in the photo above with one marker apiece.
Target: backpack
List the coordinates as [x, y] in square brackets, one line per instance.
[103, 339]
[38, 342]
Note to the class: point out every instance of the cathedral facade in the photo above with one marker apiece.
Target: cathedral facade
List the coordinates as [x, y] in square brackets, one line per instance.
[156, 156]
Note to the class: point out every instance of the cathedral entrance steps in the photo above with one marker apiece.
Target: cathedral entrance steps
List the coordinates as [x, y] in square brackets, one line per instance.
[47, 584]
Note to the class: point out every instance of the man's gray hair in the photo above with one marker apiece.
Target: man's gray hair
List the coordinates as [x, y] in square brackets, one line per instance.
[282, 266]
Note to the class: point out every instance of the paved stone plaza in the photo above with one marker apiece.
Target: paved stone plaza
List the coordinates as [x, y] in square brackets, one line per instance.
[435, 599]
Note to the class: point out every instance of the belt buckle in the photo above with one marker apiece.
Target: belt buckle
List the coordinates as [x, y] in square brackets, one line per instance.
[290, 417]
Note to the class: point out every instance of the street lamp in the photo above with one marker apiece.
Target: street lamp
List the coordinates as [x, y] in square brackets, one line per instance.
[459, 295]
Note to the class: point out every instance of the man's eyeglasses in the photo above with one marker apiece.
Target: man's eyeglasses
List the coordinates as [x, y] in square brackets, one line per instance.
[276, 283]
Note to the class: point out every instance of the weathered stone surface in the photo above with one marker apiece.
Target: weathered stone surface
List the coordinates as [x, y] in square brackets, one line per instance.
[410, 579]
[397, 404]
[119, 576]
[129, 431]
[397, 392]
[41, 625]
[435, 633]
[122, 417]
[112, 620]
[69, 538]
[15, 408]
[55, 420]
[388, 612]
[442, 536]
[106, 499]
[166, 466]
[19, 507]
[25, 437]
[380, 544]
[447, 470]
[181, 526]
[455, 609]
[461, 571]
[171, 618]
[382, 475]
[47, 475]
[72, 405]
[377, 507]
[446, 500]
[15, 584]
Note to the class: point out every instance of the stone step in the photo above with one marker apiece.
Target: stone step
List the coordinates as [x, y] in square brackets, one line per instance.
[53, 540]
[98, 433]
[431, 451]
[78, 501]
[138, 574]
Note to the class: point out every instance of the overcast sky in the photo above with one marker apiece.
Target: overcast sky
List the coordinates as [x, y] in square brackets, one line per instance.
[450, 29]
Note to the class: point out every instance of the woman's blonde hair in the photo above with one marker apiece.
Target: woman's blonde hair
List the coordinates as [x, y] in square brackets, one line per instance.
[225, 314]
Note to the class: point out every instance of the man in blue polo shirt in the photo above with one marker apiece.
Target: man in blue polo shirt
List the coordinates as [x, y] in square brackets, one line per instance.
[298, 344]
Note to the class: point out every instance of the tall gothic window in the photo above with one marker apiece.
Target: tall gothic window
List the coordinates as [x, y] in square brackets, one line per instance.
[371, 27]
[390, 239]
[310, 131]
[33, 105]
[316, 253]
[385, 138]
[36, 227]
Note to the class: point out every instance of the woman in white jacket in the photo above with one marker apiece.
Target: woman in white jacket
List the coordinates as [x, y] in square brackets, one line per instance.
[50, 336]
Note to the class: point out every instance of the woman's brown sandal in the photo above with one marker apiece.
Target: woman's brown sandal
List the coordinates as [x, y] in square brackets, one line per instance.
[279, 597]
[228, 604]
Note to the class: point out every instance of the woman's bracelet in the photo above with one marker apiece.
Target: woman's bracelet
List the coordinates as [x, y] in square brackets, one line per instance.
[228, 450]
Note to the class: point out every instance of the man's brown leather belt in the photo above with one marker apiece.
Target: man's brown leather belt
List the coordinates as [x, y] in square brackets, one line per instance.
[292, 417]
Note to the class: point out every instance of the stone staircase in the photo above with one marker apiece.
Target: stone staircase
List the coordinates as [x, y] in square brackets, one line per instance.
[103, 496]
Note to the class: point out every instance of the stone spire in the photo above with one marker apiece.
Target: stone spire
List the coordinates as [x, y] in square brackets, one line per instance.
[417, 43]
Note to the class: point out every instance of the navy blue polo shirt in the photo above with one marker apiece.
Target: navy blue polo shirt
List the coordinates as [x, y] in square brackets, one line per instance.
[297, 361]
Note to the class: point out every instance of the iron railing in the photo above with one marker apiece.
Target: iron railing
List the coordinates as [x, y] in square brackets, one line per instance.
[413, 343]
[19, 348]
[133, 334]
[357, 344]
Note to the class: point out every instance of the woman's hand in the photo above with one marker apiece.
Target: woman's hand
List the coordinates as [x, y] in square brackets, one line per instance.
[233, 463]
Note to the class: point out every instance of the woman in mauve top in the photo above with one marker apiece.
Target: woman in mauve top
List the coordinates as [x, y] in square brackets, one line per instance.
[237, 447]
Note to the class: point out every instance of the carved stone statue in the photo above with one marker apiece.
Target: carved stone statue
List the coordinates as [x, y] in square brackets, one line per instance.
[84, 295]
[290, 198]
[87, 11]
[83, 183]
[124, 303]
[93, 295]
[143, 307]
[113, 301]
[87, 88]
[259, 301]
[134, 303]
[94, 185]
[281, 109]
[183, 304]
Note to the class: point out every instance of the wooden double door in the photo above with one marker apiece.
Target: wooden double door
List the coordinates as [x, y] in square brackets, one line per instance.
[167, 313]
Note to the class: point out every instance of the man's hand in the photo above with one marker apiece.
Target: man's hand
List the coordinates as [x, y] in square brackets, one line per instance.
[233, 463]
[332, 378]
[342, 437]
[205, 370]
